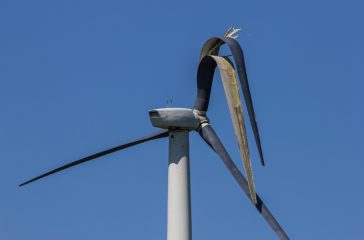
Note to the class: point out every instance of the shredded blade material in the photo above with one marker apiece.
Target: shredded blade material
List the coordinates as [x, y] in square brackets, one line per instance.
[232, 32]
[231, 88]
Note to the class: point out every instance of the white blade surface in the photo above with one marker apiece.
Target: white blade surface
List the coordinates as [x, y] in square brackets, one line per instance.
[231, 88]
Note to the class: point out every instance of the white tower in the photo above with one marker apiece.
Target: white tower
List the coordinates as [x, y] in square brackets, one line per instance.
[180, 121]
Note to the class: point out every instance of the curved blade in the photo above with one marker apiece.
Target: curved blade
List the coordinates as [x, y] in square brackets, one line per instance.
[157, 135]
[211, 47]
[231, 88]
[210, 137]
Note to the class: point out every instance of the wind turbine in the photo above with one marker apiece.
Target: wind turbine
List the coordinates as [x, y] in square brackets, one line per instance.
[177, 123]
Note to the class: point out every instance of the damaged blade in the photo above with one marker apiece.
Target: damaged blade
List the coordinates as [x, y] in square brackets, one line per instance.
[231, 88]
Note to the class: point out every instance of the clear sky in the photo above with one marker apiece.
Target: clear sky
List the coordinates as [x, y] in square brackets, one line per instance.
[77, 77]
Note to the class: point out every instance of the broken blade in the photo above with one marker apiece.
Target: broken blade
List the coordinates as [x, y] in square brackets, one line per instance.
[231, 88]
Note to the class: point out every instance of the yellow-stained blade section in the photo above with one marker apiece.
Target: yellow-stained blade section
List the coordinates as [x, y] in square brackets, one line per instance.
[231, 88]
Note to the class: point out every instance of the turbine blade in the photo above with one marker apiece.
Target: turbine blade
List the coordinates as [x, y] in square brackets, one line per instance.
[211, 138]
[240, 65]
[157, 135]
[231, 88]
[211, 47]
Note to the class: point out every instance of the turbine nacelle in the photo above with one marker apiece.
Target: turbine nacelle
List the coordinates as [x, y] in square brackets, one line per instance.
[175, 118]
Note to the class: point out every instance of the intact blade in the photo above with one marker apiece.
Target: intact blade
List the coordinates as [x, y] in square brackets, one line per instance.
[153, 136]
[212, 47]
[211, 138]
[231, 88]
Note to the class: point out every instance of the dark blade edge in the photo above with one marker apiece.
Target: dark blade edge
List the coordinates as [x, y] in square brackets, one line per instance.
[211, 138]
[157, 135]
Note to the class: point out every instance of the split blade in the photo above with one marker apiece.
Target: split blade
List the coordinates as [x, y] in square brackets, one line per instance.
[231, 88]
[212, 47]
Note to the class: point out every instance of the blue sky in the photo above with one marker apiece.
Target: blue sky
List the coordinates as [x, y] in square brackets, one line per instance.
[77, 77]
